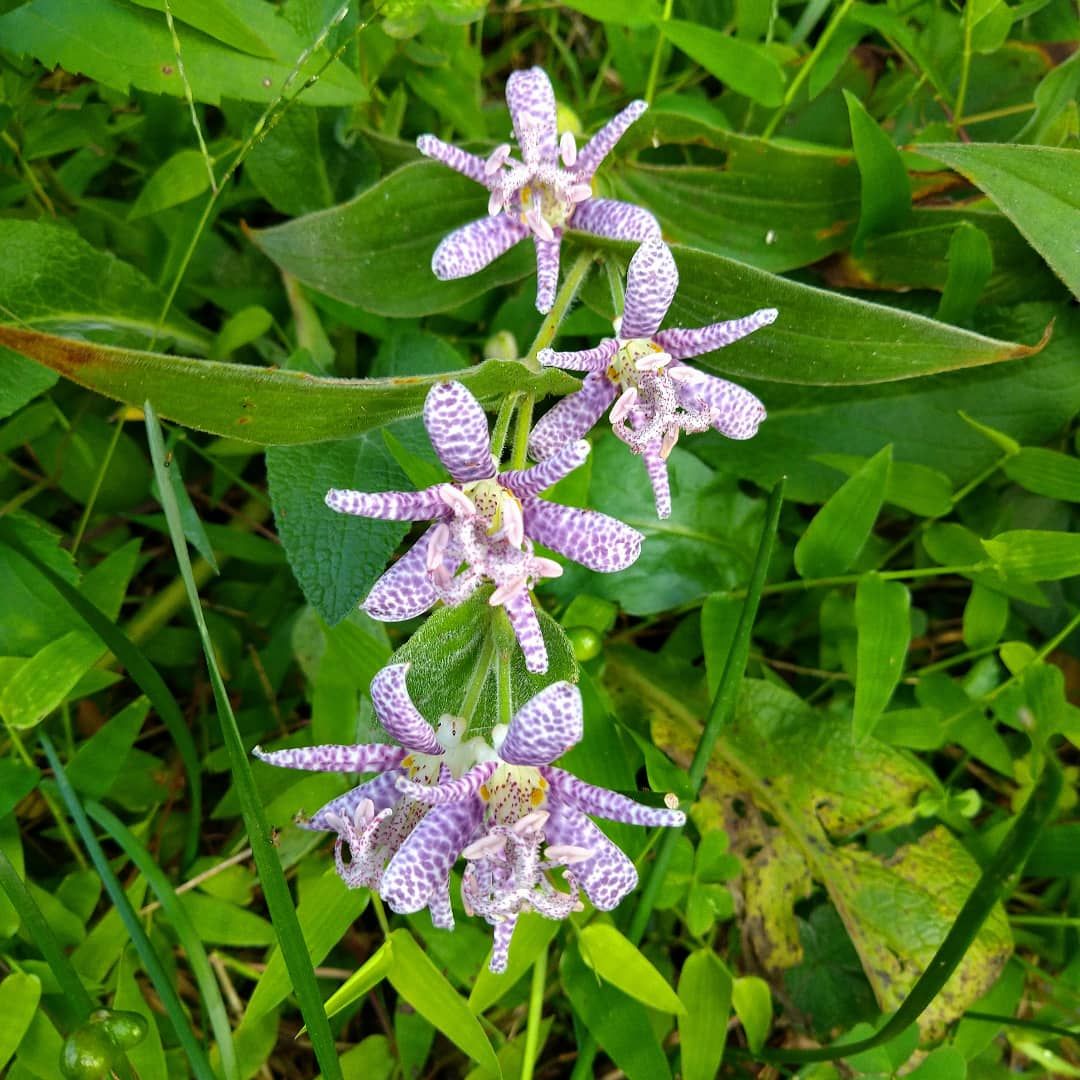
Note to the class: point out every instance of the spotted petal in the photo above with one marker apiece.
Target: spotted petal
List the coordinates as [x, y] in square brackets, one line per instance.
[531, 101]
[615, 220]
[459, 790]
[736, 412]
[607, 875]
[472, 247]
[586, 536]
[547, 271]
[603, 142]
[525, 482]
[600, 802]
[382, 791]
[405, 590]
[459, 160]
[651, 281]
[572, 417]
[522, 615]
[420, 871]
[656, 467]
[388, 505]
[545, 727]
[682, 344]
[458, 430]
[595, 359]
[335, 757]
[397, 713]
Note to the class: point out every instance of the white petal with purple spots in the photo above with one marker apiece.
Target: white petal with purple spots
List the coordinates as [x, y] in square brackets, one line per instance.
[682, 344]
[397, 713]
[547, 271]
[405, 590]
[525, 482]
[601, 802]
[334, 757]
[519, 609]
[608, 874]
[545, 727]
[651, 281]
[572, 417]
[476, 245]
[736, 412]
[603, 142]
[459, 160]
[615, 220]
[531, 101]
[458, 429]
[388, 505]
[586, 536]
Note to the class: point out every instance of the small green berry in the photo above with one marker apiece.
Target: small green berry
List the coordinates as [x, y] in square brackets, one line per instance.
[88, 1054]
[585, 641]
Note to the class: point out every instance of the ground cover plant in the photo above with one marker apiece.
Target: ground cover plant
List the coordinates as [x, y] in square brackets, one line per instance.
[539, 540]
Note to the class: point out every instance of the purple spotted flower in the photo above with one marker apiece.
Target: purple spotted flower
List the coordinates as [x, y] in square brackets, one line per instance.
[485, 525]
[520, 804]
[655, 395]
[375, 819]
[535, 196]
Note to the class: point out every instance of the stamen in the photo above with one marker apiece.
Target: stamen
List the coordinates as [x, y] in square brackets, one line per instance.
[496, 159]
[335, 821]
[540, 225]
[531, 823]
[651, 361]
[363, 814]
[667, 444]
[496, 202]
[457, 500]
[616, 324]
[485, 846]
[683, 374]
[436, 552]
[568, 149]
[580, 192]
[507, 591]
[621, 409]
[567, 854]
[548, 568]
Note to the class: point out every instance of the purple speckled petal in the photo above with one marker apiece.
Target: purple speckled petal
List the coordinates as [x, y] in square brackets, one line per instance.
[335, 757]
[547, 271]
[586, 536]
[458, 430]
[651, 281]
[656, 467]
[608, 875]
[603, 142]
[522, 615]
[388, 505]
[531, 101]
[382, 791]
[682, 344]
[595, 359]
[405, 590]
[397, 713]
[459, 790]
[421, 868]
[600, 802]
[442, 914]
[545, 727]
[525, 482]
[500, 947]
[736, 412]
[572, 417]
[472, 247]
[615, 220]
[459, 160]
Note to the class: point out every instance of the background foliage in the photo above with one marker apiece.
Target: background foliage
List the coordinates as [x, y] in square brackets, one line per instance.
[218, 207]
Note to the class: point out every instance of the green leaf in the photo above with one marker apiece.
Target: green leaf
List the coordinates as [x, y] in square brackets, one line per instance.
[41, 683]
[923, 491]
[1046, 472]
[255, 405]
[141, 53]
[16, 782]
[336, 558]
[427, 990]
[148, 1057]
[820, 338]
[945, 1063]
[219, 20]
[752, 1001]
[985, 616]
[747, 68]
[635, 13]
[883, 622]
[705, 989]
[380, 260]
[838, 531]
[19, 996]
[101, 758]
[180, 178]
[615, 959]
[1056, 92]
[1037, 186]
[971, 263]
[372, 972]
[886, 192]
[1034, 555]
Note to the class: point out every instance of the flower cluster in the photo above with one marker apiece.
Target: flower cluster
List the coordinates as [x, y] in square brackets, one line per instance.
[438, 792]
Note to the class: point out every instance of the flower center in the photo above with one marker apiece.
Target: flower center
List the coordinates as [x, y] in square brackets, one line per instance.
[513, 792]
[499, 507]
[635, 357]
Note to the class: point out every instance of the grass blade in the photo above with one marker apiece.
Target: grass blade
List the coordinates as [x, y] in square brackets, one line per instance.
[271, 875]
[147, 954]
[209, 990]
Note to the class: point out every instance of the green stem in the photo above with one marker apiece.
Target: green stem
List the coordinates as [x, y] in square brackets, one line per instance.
[536, 1011]
[88, 509]
[573, 281]
[804, 72]
[654, 67]
[478, 678]
[520, 453]
[851, 579]
[502, 425]
[965, 71]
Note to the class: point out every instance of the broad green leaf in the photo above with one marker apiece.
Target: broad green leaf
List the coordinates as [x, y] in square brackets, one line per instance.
[16, 782]
[372, 972]
[944, 1063]
[882, 619]
[453, 655]
[614, 958]
[532, 934]
[42, 682]
[426, 989]
[1037, 186]
[1000, 439]
[838, 531]
[101, 758]
[970, 263]
[219, 20]
[1046, 472]
[886, 192]
[336, 557]
[19, 996]
[752, 1001]
[618, 1023]
[636, 13]
[990, 25]
[375, 251]
[255, 405]
[705, 990]
[371, 1059]
[820, 338]
[148, 1056]
[985, 615]
[180, 178]
[747, 68]
[1057, 92]
[40, 1049]
[218, 922]
[141, 53]
[914, 487]
[1035, 555]
[21, 381]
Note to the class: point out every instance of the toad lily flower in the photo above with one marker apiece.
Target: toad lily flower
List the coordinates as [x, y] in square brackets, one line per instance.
[658, 396]
[375, 819]
[535, 196]
[521, 803]
[485, 526]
